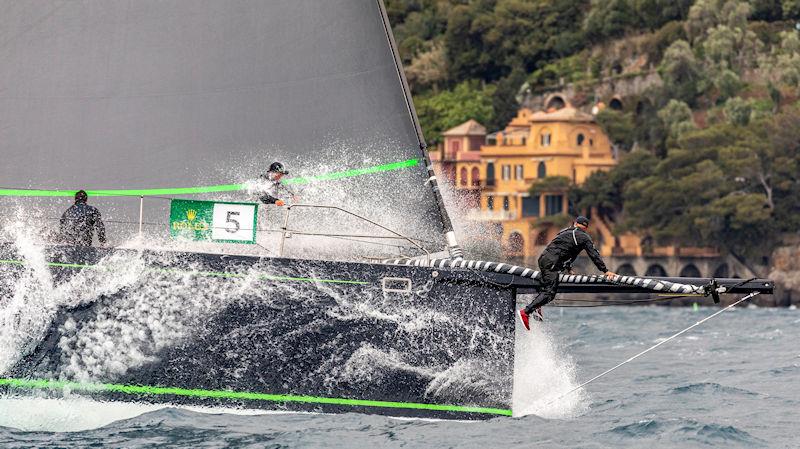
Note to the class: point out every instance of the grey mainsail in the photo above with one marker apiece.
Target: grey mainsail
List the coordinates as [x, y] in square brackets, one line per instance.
[119, 95]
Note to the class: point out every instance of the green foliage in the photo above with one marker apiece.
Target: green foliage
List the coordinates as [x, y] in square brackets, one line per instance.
[487, 39]
[677, 118]
[609, 18]
[604, 190]
[427, 70]
[662, 39]
[738, 111]
[682, 73]
[654, 14]
[551, 184]
[504, 100]
[468, 100]
[705, 15]
[570, 70]
[734, 186]
[791, 9]
[727, 84]
[769, 10]
[618, 125]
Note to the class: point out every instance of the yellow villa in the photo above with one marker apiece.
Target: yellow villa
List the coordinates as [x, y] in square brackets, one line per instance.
[499, 174]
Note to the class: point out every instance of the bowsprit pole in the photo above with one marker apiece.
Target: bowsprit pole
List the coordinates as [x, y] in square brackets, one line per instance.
[745, 298]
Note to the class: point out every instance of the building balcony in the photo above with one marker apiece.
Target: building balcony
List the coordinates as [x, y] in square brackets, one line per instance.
[491, 215]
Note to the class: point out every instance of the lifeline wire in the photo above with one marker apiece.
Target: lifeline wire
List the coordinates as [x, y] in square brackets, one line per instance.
[745, 298]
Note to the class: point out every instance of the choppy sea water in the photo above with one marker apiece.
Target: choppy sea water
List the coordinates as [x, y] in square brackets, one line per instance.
[733, 382]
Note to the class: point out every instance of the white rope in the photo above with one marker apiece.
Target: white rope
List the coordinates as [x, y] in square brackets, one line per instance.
[655, 346]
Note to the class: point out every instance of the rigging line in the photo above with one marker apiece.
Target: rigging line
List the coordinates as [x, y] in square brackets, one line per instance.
[672, 337]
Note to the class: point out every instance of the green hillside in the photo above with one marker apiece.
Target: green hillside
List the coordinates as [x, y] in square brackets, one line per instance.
[712, 157]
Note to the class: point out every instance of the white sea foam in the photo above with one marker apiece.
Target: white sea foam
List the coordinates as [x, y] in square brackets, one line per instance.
[542, 374]
[76, 413]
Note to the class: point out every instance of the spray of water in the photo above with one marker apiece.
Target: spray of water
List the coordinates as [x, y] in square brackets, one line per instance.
[542, 373]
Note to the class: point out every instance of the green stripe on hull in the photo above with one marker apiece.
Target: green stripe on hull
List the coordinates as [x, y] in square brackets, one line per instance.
[43, 384]
[210, 189]
[203, 273]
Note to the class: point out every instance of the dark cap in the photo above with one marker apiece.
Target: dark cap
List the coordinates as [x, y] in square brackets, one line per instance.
[81, 196]
[277, 167]
[581, 220]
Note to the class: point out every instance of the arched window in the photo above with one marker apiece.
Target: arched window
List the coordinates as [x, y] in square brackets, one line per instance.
[476, 177]
[541, 171]
[656, 270]
[626, 270]
[463, 180]
[490, 202]
[541, 238]
[506, 203]
[544, 139]
[580, 139]
[516, 243]
[690, 271]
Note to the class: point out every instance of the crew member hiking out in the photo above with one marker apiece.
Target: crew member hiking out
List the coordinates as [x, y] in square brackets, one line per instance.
[558, 257]
[80, 221]
[275, 192]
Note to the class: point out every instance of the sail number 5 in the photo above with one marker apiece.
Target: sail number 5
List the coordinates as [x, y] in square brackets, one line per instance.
[234, 222]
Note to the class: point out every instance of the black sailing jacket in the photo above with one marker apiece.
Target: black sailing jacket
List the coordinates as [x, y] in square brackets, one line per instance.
[566, 246]
[78, 222]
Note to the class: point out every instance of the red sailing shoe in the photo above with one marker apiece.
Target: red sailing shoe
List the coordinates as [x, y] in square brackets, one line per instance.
[524, 318]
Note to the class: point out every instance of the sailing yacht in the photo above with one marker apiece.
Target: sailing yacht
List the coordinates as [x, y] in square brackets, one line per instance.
[358, 298]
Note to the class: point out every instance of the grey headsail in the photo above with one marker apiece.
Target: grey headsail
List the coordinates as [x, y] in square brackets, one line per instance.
[126, 97]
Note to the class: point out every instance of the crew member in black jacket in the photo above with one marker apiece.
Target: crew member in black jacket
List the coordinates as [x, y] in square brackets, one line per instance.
[558, 257]
[80, 221]
[275, 192]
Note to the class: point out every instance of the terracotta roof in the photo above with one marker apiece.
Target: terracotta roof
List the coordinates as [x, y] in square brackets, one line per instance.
[468, 128]
[567, 114]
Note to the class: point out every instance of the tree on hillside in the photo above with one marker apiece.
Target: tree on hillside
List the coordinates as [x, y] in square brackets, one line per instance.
[677, 118]
[468, 100]
[682, 73]
[654, 14]
[618, 126]
[604, 190]
[504, 100]
[486, 39]
[735, 187]
[610, 18]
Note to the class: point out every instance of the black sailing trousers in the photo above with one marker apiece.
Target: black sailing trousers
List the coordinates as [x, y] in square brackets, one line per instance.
[549, 281]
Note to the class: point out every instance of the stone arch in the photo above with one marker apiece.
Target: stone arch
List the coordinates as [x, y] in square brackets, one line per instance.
[516, 243]
[615, 104]
[463, 181]
[690, 271]
[656, 270]
[555, 102]
[722, 271]
[626, 269]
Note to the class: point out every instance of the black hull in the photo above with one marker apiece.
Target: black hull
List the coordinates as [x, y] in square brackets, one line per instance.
[271, 333]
